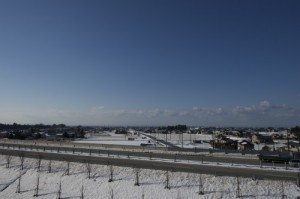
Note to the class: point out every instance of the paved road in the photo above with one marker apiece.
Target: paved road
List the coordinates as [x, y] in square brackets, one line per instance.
[124, 147]
[137, 153]
[143, 153]
[171, 146]
[258, 173]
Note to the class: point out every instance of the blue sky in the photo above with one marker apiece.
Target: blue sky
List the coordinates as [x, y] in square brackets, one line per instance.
[208, 63]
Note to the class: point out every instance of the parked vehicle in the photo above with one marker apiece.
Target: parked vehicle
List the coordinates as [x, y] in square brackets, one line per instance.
[294, 163]
[292, 159]
[275, 158]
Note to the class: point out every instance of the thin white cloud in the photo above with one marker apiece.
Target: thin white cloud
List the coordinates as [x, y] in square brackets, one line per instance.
[263, 113]
[265, 104]
[154, 113]
[244, 109]
[267, 114]
[220, 111]
[195, 108]
[95, 110]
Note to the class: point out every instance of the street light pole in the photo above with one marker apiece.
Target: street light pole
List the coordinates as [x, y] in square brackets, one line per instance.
[288, 140]
[166, 139]
[182, 140]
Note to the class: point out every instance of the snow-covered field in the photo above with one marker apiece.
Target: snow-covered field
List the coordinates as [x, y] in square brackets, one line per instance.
[118, 139]
[115, 139]
[152, 183]
[187, 140]
[113, 142]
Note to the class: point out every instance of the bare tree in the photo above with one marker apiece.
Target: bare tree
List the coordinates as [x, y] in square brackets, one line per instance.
[22, 158]
[111, 174]
[38, 163]
[143, 194]
[283, 196]
[68, 169]
[167, 181]
[81, 193]
[88, 169]
[178, 195]
[111, 192]
[201, 188]
[137, 172]
[19, 183]
[59, 191]
[238, 189]
[8, 160]
[49, 166]
[36, 190]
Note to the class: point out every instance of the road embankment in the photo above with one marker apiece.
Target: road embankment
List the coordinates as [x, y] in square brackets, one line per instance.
[160, 164]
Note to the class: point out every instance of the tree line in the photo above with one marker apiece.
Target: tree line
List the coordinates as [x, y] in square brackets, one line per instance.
[15, 126]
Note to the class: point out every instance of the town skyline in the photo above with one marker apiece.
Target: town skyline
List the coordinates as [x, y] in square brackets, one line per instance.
[144, 63]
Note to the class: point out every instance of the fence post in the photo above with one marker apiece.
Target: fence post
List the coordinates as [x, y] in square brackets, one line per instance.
[298, 179]
[260, 163]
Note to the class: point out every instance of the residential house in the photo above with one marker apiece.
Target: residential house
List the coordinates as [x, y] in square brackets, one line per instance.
[245, 145]
[259, 138]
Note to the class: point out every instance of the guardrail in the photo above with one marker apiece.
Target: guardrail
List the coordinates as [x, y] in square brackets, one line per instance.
[161, 165]
[128, 153]
[129, 147]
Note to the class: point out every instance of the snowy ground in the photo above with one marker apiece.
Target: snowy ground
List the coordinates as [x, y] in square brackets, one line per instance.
[114, 142]
[115, 139]
[152, 183]
[187, 139]
[176, 139]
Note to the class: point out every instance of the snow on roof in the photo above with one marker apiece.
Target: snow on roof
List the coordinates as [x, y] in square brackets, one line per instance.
[236, 138]
[273, 133]
[266, 133]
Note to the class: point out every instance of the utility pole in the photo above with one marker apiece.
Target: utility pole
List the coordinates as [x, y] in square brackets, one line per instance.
[182, 140]
[166, 140]
[288, 140]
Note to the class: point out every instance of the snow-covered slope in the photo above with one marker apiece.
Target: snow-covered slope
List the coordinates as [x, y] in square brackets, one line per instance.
[152, 183]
